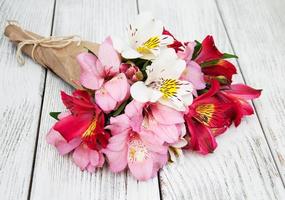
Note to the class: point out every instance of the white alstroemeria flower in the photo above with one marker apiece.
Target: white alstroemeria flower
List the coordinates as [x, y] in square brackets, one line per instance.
[163, 84]
[145, 38]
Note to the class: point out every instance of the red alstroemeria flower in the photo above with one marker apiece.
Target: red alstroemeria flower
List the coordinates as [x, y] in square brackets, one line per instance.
[207, 117]
[238, 94]
[86, 120]
[176, 45]
[213, 63]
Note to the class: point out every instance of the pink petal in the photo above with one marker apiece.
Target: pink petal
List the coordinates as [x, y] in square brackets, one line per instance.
[166, 115]
[118, 88]
[152, 143]
[118, 142]
[193, 73]
[134, 111]
[159, 161]
[101, 160]
[89, 77]
[117, 159]
[141, 170]
[81, 157]
[166, 133]
[54, 138]
[108, 56]
[94, 157]
[119, 124]
[104, 100]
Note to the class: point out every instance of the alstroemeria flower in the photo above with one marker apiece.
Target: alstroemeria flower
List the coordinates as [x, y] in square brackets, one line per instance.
[207, 113]
[102, 74]
[166, 123]
[213, 62]
[86, 121]
[146, 38]
[238, 95]
[137, 149]
[80, 130]
[163, 85]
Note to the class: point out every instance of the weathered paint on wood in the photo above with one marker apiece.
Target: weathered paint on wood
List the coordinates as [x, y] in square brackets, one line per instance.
[21, 91]
[242, 166]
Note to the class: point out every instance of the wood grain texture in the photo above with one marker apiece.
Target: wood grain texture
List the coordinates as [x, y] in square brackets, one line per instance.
[57, 177]
[242, 167]
[261, 45]
[21, 94]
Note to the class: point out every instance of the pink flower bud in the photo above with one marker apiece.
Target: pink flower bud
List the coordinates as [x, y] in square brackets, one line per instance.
[131, 71]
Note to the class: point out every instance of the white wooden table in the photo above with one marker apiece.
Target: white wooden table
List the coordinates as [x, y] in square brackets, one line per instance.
[249, 162]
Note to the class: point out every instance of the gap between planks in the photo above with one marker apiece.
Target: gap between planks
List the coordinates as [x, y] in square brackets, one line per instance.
[40, 116]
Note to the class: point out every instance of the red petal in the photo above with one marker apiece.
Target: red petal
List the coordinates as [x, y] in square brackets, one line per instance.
[215, 87]
[243, 91]
[80, 102]
[209, 51]
[73, 126]
[176, 45]
[221, 68]
[201, 138]
[213, 113]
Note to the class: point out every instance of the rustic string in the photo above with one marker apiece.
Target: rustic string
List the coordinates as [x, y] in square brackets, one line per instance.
[48, 42]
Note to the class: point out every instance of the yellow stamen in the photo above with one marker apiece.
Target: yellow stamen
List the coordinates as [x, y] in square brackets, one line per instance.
[205, 112]
[169, 88]
[89, 131]
[150, 44]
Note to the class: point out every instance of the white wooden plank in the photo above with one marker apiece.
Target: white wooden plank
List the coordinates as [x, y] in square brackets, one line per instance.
[242, 166]
[260, 44]
[57, 177]
[20, 103]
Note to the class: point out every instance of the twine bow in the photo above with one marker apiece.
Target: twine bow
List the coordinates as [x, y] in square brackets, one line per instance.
[48, 42]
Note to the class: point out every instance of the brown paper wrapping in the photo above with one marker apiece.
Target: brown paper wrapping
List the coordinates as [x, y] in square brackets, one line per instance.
[62, 61]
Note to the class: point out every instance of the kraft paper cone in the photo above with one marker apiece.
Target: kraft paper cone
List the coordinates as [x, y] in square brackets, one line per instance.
[62, 61]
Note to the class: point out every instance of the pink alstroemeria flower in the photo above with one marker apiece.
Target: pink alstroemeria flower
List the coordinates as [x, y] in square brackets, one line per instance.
[83, 156]
[102, 74]
[193, 72]
[134, 146]
[165, 122]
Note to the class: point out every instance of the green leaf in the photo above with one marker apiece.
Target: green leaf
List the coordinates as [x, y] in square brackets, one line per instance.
[209, 63]
[197, 49]
[227, 55]
[54, 115]
[89, 51]
[120, 109]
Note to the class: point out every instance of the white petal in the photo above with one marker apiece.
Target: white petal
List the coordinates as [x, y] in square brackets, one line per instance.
[130, 53]
[173, 103]
[166, 40]
[187, 99]
[141, 93]
[118, 43]
[167, 66]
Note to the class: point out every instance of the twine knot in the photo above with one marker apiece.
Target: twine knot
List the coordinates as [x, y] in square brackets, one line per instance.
[56, 42]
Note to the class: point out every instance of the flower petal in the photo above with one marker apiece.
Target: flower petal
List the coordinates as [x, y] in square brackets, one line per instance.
[166, 115]
[81, 157]
[89, 77]
[108, 55]
[143, 94]
[104, 100]
[118, 88]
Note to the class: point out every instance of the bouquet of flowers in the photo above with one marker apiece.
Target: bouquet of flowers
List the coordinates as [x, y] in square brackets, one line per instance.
[144, 100]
